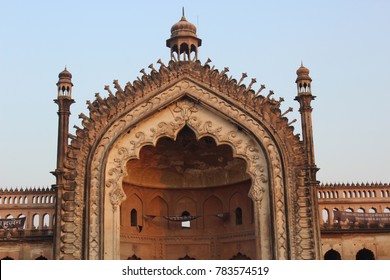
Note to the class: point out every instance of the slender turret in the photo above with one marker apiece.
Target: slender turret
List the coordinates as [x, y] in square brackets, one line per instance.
[305, 98]
[64, 101]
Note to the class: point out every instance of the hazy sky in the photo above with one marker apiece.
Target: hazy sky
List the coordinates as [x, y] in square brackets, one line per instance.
[345, 44]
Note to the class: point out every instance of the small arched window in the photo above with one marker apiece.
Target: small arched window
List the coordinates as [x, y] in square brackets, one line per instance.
[36, 221]
[365, 254]
[332, 255]
[334, 210]
[23, 216]
[46, 220]
[325, 215]
[238, 216]
[133, 218]
[186, 223]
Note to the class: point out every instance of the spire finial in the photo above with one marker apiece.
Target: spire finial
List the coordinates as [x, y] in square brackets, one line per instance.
[183, 11]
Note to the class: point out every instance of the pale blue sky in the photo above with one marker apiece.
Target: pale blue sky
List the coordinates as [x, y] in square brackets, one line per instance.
[345, 44]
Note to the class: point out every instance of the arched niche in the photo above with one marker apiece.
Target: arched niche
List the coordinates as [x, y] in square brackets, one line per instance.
[164, 115]
[332, 255]
[167, 123]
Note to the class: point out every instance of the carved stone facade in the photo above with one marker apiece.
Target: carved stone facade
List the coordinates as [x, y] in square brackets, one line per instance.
[179, 96]
[261, 139]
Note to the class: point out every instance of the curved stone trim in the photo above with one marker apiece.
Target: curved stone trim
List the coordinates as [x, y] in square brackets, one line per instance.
[186, 112]
[172, 120]
[112, 117]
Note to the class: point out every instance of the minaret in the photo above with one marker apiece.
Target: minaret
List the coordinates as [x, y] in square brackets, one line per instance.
[183, 41]
[64, 101]
[305, 98]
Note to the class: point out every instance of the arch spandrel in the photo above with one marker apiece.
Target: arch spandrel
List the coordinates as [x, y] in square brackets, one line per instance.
[103, 177]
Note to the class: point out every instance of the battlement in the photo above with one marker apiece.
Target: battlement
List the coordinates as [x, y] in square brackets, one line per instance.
[354, 185]
[17, 190]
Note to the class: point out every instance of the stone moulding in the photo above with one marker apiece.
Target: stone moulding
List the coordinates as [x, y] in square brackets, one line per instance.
[185, 93]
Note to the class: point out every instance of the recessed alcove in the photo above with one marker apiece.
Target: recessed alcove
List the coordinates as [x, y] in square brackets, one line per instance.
[188, 196]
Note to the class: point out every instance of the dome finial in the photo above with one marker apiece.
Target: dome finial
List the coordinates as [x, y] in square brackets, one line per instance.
[183, 12]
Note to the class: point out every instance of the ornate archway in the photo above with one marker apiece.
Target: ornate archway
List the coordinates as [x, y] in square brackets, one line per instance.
[186, 94]
[177, 113]
[203, 122]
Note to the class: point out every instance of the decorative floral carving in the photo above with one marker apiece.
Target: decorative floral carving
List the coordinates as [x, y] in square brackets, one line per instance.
[185, 107]
[117, 195]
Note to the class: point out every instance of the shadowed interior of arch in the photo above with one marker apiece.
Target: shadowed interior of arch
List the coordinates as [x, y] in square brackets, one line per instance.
[192, 176]
[186, 163]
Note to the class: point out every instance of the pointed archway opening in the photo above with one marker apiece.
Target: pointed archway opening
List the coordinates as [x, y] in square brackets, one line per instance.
[187, 196]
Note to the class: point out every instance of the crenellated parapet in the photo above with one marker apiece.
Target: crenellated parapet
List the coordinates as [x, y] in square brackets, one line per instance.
[7, 190]
[26, 197]
[353, 190]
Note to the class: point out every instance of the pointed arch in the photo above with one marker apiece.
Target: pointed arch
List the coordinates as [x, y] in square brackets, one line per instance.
[213, 213]
[132, 211]
[332, 255]
[254, 129]
[159, 208]
[365, 254]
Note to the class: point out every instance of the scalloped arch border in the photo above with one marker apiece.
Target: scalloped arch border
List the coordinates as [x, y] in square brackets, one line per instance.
[106, 182]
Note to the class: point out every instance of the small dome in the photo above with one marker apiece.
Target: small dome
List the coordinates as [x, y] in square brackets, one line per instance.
[303, 73]
[65, 75]
[303, 70]
[183, 28]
